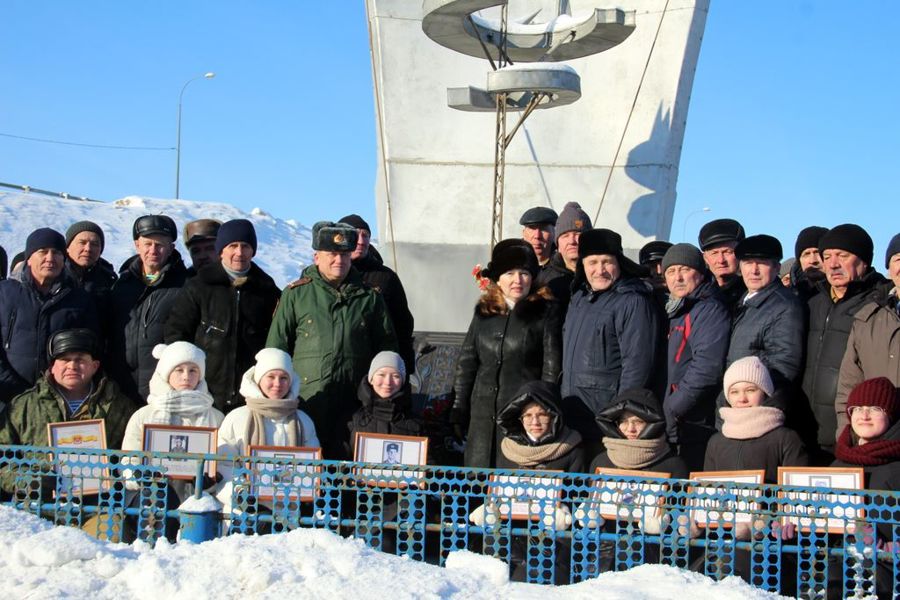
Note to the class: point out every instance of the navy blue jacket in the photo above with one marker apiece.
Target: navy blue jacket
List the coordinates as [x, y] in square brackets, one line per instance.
[699, 330]
[611, 342]
[28, 319]
[771, 326]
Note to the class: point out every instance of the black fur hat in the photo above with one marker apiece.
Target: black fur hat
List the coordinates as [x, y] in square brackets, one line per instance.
[511, 254]
[333, 237]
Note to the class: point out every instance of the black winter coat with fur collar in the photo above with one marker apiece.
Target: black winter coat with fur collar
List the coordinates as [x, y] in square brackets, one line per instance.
[500, 352]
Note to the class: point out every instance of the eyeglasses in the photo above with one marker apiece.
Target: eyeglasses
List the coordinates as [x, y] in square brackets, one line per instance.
[869, 410]
[543, 418]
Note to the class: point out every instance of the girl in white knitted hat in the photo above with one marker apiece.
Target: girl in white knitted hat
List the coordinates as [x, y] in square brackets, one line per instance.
[271, 416]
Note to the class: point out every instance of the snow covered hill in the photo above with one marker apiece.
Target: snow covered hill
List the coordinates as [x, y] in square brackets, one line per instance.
[284, 245]
[38, 560]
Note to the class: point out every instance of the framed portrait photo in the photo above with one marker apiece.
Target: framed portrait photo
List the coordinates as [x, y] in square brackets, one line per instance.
[629, 500]
[390, 450]
[802, 511]
[77, 472]
[717, 506]
[301, 480]
[523, 497]
[178, 439]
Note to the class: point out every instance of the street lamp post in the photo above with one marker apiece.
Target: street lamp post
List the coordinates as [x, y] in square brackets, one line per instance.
[209, 75]
[684, 226]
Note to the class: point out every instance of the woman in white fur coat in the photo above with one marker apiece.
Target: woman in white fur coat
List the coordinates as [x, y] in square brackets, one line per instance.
[270, 418]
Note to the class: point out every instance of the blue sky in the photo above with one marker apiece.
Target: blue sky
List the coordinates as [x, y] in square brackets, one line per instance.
[792, 117]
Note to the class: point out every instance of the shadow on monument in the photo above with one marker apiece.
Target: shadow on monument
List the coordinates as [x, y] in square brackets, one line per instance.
[642, 166]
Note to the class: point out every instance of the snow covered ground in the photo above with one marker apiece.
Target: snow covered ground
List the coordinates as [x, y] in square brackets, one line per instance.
[284, 245]
[38, 560]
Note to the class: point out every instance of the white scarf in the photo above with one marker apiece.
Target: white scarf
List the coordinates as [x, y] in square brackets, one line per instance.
[194, 406]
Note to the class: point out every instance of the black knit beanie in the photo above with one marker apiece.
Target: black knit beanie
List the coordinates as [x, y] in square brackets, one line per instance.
[81, 226]
[849, 237]
[892, 249]
[684, 254]
[44, 238]
[236, 230]
[357, 222]
[808, 238]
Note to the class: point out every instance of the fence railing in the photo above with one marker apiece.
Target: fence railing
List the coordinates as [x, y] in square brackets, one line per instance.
[550, 527]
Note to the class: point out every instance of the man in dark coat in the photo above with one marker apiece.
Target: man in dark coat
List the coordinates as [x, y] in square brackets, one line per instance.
[851, 283]
[31, 310]
[650, 257]
[539, 230]
[140, 303]
[699, 329]
[85, 243]
[612, 335]
[226, 311]
[806, 273]
[718, 239]
[559, 272]
[73, 388]
[769, 320]
[384, 280]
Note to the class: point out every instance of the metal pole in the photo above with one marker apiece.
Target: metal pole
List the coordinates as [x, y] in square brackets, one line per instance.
[178, 140]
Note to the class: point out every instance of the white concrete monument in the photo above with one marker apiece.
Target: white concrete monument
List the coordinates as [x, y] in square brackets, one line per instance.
[615, 149]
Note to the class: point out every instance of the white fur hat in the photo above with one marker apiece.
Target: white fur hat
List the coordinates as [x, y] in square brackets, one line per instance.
[751, 370]
[176, 353]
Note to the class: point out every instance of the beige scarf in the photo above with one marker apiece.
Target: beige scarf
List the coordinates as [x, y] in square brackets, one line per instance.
[277, 410]
[749, 423]
[635, 454]
[532, 456]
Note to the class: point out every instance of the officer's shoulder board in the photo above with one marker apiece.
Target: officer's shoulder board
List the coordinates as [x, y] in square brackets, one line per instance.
[299, 282]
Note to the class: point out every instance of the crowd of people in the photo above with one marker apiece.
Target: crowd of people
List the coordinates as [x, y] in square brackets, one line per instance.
[718, 356]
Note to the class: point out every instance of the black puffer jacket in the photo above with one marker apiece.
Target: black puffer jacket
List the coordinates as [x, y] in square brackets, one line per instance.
[770, 326]
[829, 328]
[780, 447]
[498, 354]
[558, 279]
[699, 330]
[138, 314]
[229, 322]
[509, 423]
[28, 319]
[376, 415]
[385, 281]
[612, 341]
[96, 281]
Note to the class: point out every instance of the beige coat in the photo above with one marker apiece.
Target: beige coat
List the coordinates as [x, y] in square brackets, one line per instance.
[873, 350]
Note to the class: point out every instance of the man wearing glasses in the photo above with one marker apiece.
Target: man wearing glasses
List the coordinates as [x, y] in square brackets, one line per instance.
[141, 301]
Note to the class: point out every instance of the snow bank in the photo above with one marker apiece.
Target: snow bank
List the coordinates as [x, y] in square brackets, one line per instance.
[38, 560]
[284, 245]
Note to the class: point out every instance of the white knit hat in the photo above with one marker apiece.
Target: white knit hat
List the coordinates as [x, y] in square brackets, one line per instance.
[386, 358]
[269, 359]
[751, 370]
[176, 353]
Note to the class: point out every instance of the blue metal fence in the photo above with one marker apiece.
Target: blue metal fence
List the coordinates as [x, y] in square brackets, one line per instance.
[550, 527]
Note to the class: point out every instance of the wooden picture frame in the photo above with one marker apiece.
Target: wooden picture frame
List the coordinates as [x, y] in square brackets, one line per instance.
[845, 478]
[742, 511]
[389, 449]
[629, 496]
[90, 434]
[301, 477]
[181, 439]
[516, 496]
